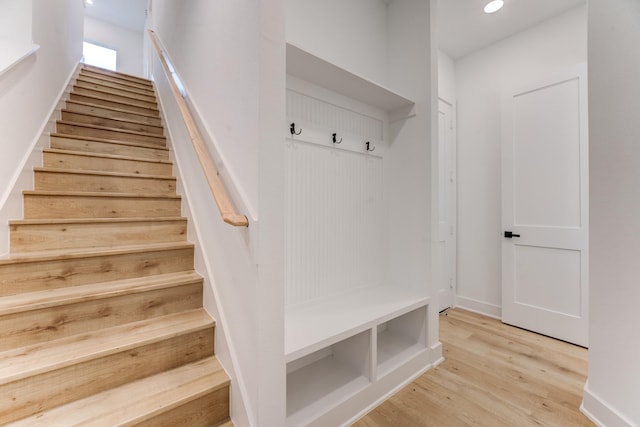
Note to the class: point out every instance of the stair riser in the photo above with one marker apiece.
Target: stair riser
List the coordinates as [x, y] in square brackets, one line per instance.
[111, 123]
[40, 237]
[64, 385]
[21, 277]
[114, 97]
[36, 326]
[113, 135]
[206, 411]
[113, 104]
[116, 85]
[62, 181]
[72, 144]
[149, 97]
[106, 74]
[111, 113]
[60, 207]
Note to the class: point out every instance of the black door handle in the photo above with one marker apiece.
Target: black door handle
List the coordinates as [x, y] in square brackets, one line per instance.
[510, 234]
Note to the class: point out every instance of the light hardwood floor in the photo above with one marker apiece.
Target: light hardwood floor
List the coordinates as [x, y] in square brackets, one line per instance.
[493, 375]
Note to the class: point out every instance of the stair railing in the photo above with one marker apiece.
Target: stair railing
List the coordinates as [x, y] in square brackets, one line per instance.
[218, 190]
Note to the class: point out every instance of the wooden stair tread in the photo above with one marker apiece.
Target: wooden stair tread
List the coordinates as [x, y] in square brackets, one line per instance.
[97, 116]
[109, 141]
[95, 79]
[117, 90]
[96, 194]
[36, 359]
[105, 72]
[78, 253]
[88, 104]
[55, 297]
[63, 221]
[124, 131]
[106, 156]
[136, 401]
[152, 111]
[127, 99]
[101, 173]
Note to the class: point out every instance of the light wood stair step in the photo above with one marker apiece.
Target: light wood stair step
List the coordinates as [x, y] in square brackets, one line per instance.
[116, 74]
[53, 269]
[66, 204]
[105, 146]
[109, 95]
[120, 91]
[115, 80]
[51, 234]
[51, 179]
[81, 365]
[157, 401]
[133, 87]
[97, 120]
[93, 131]
[112, 113]
[97, 100]
[34, 317]
[141, 94]
[66, 159]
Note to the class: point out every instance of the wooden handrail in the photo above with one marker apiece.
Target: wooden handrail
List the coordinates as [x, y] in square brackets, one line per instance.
[218, 190]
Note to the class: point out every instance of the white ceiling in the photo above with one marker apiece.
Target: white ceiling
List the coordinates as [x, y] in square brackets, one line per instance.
[129, 14]
[463, 27]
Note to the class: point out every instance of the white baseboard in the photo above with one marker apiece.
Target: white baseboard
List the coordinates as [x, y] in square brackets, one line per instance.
[480, 307]
[601, 413]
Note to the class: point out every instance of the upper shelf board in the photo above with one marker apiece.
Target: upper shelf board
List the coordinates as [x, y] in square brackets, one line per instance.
[313, 69]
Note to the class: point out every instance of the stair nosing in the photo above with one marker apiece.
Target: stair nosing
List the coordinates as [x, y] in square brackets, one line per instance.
[98, 194]
[61, 221]
[103, 173]
[64, 110]
[112, 108]
[93, 252]
[116, 94]
[214, 380]
[93, 291]
[108, 141]
[107, 348]
[106, 156]
[110, 129]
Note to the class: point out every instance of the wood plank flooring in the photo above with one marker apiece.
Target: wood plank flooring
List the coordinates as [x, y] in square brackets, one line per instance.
[493, 375]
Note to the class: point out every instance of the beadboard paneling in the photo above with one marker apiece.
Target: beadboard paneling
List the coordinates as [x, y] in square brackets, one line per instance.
[333, 221]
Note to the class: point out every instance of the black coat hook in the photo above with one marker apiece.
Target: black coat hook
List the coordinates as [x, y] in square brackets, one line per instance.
[335, 141]
[368, 146]
[292, 129]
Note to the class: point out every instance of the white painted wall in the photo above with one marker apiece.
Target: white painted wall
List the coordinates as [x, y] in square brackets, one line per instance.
[446, 77]
[613, 390]
[351, 34]
[481, 79]
[29, 94]
[15, 20]
[230, 58]
[128, 43]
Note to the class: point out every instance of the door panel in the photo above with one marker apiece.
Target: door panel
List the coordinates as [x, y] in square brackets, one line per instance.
[545, 202]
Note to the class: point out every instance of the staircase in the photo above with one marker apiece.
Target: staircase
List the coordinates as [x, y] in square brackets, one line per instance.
[101, 318]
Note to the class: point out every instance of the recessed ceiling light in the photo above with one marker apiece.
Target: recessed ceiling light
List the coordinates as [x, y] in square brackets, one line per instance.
[493, 6]
[89, 1]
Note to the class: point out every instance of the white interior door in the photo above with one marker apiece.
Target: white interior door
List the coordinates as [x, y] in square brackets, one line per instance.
[545, 207]
[446, 204]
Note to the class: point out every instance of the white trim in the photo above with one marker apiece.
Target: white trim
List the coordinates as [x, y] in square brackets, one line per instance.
[480, 307]
[15, 53]
[41, 139]
[602, 413]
